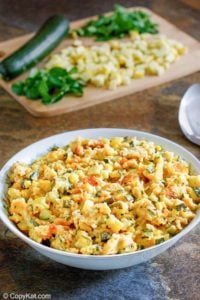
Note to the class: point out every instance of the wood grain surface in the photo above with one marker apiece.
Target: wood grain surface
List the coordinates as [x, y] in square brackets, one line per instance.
[172, 275]
[187, 64]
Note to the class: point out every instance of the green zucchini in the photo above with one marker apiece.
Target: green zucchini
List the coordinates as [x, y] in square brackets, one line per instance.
[44, 41]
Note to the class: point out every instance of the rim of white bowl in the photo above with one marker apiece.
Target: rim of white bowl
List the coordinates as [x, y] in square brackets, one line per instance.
[135, 133]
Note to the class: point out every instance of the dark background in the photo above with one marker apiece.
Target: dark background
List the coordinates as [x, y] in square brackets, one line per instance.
[28, 14]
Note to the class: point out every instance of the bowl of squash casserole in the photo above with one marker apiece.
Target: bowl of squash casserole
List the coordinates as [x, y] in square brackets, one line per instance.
[101, 198]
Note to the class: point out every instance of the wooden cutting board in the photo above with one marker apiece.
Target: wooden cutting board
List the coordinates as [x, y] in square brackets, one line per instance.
[187, 64]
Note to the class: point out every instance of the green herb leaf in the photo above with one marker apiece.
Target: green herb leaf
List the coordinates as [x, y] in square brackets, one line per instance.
[33, 222]
[57, 76]
[151, 212]
[54, 148]
[18, 88]
[49, 85]
[132, 144]
[105, 236]
[147, 230]
[181, 206]
[67, 203]
[150, 168]
[161, 240]
[106, 160]
[197, 191]
[34, 175]
[118, 24]
[98, 193]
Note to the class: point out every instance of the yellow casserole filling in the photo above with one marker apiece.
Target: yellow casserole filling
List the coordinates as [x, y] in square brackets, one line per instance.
[105, 196]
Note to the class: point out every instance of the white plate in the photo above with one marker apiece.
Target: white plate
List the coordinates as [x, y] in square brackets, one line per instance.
[97, 262]
[188, 116]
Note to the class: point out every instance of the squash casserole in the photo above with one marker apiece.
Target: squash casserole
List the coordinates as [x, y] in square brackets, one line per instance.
[103, 196]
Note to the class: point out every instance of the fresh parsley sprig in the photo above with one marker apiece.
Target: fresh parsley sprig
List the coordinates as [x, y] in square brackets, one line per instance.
[49, 85]
[118, 24]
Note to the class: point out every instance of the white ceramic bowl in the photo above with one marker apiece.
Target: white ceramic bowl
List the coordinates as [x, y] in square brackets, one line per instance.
[97, 262]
